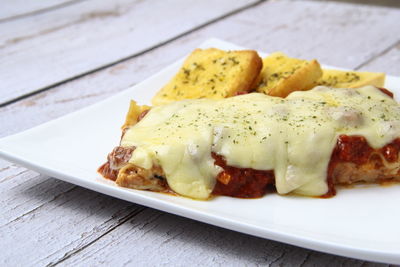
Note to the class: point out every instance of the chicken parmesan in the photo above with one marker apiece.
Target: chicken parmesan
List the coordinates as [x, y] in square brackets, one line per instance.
[241, 146]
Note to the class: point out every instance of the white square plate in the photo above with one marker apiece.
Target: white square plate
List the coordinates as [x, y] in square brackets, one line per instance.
[361, 223]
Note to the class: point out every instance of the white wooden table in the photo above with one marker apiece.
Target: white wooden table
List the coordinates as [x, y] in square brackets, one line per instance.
[57, 56]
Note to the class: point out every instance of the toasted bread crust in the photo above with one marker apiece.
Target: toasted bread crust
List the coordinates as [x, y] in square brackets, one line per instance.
[303, 79]
[282, 75]
[212, 73]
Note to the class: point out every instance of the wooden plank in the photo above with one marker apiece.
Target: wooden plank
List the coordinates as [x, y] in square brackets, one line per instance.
[388, 3]
[90, 89]
[14, 9]
[333, 33]
[215, 247]
[156, 238]
[14, 180]
[42, 50]
[388, 61]
[42, 220]
[94, 87]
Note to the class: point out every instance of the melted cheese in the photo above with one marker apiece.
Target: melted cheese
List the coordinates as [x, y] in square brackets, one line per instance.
[294, 136]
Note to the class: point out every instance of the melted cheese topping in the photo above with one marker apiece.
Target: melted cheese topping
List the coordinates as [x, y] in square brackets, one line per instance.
[293, 136]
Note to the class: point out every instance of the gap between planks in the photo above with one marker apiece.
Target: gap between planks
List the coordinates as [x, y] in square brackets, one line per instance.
[40, 11]
[196, 28]
[78, 249]
[380, 54]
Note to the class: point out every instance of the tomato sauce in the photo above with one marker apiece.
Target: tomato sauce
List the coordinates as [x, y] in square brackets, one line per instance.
[355, 149]
[241, 182]
[250, 183]
[391, 151]
[386, 91]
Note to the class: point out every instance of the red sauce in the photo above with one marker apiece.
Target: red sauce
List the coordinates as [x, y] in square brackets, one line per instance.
[391, 151]
[355, 149]
[352, 149]
[386, 91]
[241, 182]
[250, 183]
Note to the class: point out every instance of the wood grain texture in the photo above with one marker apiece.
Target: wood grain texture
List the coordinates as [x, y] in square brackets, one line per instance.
[388, 61]
[46, 218]
[156, 238]
[90, 89]
[96, 86]
[75, 226]
[15, 9]
[45, 49]
[336, 34]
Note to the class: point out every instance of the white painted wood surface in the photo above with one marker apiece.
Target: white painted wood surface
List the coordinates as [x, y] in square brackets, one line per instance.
[44, 49]
[15, 9]
[388, 61]
[45, 221]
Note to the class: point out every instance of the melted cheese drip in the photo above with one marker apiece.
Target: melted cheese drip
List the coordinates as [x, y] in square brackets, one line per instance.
[294, 136]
